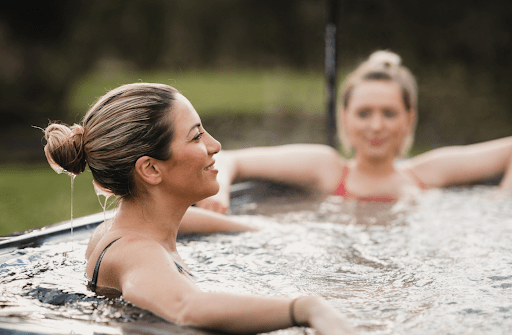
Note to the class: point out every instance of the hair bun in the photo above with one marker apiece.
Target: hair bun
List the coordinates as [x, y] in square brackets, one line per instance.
[386, 58]
[64, 149]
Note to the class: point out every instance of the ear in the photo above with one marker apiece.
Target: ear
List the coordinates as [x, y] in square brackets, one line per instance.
[148, 170]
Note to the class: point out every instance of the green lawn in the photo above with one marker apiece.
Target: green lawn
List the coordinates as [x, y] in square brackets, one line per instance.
[213, 91]
[34, 195]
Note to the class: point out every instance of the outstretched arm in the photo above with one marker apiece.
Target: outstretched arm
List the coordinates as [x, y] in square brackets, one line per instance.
[201, 221]
[465, 164]
[305, 165]
[153, 283]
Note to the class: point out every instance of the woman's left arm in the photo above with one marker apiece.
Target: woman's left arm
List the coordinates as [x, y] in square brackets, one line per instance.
[458, 165]
[202, 221]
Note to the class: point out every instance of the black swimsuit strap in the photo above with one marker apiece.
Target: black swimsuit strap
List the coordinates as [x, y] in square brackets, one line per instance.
[182, 270]
[95, 274]
[94, 280]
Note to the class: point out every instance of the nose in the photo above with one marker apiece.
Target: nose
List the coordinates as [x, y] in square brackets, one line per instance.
[213, 146]
[376, 121]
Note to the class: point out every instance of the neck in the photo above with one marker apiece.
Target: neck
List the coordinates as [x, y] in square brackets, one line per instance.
[375, 166]
[156, 217]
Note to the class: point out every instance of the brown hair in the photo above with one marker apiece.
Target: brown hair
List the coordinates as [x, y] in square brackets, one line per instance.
[382, 65]
[125, 124]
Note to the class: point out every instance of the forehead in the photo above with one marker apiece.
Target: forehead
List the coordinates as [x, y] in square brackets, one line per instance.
[185, 116]
[376, 92]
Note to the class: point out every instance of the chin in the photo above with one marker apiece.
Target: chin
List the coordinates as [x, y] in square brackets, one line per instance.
[213, 190]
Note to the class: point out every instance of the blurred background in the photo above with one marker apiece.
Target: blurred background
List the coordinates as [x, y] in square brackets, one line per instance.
[253, 69]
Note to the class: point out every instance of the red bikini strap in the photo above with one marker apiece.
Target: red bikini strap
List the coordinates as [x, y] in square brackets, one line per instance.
[341, 190]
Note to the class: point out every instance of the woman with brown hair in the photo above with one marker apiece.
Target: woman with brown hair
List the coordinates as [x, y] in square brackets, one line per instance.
[145, 144]
[377, 119]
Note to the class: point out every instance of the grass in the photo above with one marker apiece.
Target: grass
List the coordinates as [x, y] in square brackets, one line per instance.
[33, 196]
[213, 91]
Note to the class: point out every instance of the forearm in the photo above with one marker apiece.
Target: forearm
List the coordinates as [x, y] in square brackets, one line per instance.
[236, 313]
[256, 314]
[201, 221]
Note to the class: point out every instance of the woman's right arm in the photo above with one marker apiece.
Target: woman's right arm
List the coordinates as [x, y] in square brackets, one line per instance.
[154, 283]
[305, 165]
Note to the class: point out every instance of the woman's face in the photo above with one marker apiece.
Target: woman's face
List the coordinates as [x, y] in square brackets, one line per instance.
[190, 172]
[376, 121]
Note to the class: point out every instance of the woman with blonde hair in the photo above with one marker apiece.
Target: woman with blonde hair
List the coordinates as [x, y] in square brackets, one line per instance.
[377, 120]
[145, 144]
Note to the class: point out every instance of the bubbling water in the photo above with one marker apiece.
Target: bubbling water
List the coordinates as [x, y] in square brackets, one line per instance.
[438, 265]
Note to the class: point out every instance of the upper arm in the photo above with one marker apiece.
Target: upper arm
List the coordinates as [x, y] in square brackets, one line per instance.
[307, 165]
[463, 164]
[149, 279]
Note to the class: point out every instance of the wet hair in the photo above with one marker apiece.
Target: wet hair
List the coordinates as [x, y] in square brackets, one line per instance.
[125, 124]
[382, 66]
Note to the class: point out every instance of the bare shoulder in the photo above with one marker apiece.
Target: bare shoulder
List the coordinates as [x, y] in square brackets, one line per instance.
[128, 243]
[328, 165]
[128, 250]
[322, 162]
[96, 236]
[127, 255]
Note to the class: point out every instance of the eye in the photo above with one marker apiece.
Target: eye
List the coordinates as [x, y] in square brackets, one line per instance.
[198, 136]
[389, 113]
[363, 113]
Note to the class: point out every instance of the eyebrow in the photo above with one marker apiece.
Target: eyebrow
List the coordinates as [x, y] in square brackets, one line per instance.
[194, 127]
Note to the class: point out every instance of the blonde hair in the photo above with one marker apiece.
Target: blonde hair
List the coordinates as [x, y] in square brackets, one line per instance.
[125, 124]
[381, 65]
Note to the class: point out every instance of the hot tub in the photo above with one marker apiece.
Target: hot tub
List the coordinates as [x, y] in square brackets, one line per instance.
[438, 263]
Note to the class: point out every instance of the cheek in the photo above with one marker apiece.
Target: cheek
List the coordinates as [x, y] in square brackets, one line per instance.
[400, 132]
[194, 155]
[402, 126]
[354, 127]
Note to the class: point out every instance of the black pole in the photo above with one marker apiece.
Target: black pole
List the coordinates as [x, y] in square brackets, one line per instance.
[331, 13]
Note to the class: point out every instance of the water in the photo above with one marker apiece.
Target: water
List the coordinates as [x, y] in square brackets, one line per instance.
[439, 264]
[73, 176]
[61, 170]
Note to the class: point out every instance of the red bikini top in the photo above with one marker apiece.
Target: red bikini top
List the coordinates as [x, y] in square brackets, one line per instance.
[341, 189]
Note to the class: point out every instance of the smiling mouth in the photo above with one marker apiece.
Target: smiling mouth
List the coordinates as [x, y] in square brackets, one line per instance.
[210, 167]
[376, 141]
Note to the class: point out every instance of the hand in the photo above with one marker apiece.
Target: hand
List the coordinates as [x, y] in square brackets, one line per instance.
[218, 203]
[319, 315]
